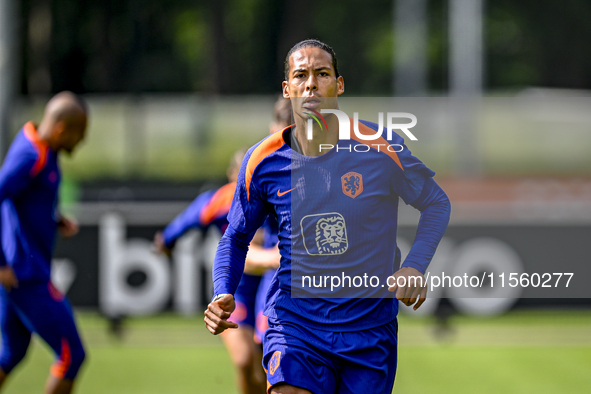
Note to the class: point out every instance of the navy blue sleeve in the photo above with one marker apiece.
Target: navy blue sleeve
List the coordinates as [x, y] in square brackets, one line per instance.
[435, 212]
[15, 174]
[10, 231]
[246, 215]
[189, 218]
[229, 260]
[2, 256]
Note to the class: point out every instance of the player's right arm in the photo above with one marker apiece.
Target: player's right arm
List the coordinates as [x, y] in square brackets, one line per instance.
[246, 215]
[8, 278]
[228, 267]
[218, 312]
[17, 172]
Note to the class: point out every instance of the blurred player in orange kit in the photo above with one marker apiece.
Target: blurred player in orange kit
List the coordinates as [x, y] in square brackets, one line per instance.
[211, 208]
[29, 183]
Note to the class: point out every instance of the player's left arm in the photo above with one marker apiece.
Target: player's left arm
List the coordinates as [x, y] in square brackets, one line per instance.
[260, 259]
[435, 212]
[190, 217]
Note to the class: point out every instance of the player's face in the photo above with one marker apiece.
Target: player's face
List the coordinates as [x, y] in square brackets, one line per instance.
[312, 82]
[72, 135]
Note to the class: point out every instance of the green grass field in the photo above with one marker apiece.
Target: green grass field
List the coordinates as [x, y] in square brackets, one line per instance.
[520, 352]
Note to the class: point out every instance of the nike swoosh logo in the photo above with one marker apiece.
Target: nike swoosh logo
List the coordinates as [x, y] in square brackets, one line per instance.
[284, 193]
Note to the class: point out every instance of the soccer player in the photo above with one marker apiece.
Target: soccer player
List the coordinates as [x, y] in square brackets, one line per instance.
[29, 303]
[210, 209]
[335, 209]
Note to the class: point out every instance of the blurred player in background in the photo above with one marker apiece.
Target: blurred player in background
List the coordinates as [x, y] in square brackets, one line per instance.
[29, 183]
[211, 208]
[267, 234]
[346, 203]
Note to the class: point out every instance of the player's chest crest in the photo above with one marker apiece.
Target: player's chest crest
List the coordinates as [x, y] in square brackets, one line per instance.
[321, 183]
[352, 184]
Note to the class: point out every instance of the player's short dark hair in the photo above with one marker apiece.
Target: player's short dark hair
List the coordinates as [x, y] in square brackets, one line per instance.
[316, 44]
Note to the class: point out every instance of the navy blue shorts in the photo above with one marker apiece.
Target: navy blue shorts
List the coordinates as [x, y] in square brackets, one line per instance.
[261, 320]
[245, 298]
[42, 309]
[331, 362]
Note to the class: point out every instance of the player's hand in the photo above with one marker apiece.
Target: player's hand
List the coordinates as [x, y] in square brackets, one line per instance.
[415, 286]
[8, 277]
[217, 314]
[160, 245]
[67, 227]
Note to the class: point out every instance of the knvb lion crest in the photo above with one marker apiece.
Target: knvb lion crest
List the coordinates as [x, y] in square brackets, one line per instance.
[352, 183]
[330, 234]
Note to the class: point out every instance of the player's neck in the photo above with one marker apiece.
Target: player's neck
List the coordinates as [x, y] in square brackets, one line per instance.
[320, 137]
[44, 133]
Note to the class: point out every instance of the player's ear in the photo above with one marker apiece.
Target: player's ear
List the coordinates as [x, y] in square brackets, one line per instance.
[59, 129]
[340, 85]
[285, 88]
